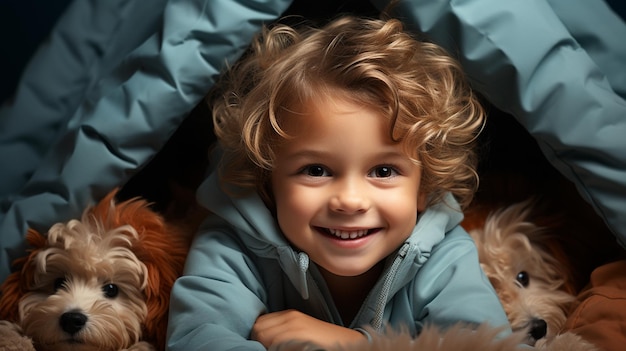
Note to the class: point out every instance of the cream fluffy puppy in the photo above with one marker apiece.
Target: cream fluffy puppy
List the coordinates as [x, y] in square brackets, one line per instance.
[529, 280]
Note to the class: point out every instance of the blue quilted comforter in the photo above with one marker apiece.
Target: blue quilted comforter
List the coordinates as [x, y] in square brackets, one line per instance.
[116, 78]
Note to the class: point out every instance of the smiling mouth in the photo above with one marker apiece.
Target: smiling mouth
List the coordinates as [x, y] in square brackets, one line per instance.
[348, 234]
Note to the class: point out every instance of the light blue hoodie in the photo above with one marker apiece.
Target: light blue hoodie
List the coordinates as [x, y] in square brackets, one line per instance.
[240, 266]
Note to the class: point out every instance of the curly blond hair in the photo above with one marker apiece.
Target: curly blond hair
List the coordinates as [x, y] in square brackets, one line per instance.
[423, 92]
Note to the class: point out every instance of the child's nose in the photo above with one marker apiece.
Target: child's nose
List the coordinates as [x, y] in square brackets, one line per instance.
[350, 199]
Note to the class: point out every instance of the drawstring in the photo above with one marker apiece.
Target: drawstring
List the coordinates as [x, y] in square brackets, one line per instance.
[377, 322]
[303, 265]
[295, 265]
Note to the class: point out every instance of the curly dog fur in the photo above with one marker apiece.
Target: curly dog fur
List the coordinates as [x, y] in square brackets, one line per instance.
[99, 283]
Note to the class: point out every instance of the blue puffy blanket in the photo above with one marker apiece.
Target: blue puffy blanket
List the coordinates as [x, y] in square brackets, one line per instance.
[117, 77]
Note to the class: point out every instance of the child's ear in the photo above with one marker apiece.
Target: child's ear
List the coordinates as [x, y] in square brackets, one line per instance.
[421, 201]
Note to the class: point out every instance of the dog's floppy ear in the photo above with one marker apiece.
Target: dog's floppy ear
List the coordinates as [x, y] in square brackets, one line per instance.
[161, 247]
[18, 282]
[163, 250]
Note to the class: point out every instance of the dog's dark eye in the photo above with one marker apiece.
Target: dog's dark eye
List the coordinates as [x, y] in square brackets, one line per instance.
[59, 283]
[523, 278]
[110, 290]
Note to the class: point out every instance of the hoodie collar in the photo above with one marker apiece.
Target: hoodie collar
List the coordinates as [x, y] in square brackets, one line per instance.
[431, 228]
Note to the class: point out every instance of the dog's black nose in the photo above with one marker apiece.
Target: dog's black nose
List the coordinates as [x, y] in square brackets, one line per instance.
[538, 329]
[72, 322]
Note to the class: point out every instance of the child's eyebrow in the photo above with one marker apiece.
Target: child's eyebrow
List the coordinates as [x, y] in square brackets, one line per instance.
[393, 157]
[307, 154]
[310, 153]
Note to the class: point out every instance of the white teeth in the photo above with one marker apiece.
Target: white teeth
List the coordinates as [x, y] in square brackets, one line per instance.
[343, 234]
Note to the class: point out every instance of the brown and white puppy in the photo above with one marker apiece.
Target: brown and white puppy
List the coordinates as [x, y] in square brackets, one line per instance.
[98, 283]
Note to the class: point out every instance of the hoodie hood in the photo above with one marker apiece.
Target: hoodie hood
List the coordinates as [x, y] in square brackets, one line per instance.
[256, 228]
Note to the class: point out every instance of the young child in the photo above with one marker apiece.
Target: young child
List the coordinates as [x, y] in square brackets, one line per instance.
[345, 156]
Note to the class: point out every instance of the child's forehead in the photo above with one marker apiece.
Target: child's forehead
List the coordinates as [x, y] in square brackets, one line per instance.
[329, 96]
[314, 114]
[310, 112]
[298, 115]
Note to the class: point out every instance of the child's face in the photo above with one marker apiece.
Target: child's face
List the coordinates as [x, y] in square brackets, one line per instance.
[345, 193]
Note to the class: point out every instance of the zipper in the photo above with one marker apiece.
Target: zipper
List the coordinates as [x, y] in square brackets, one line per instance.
[381, 302]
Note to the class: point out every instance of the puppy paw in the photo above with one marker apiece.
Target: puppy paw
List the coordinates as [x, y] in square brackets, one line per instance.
[141, 346]
[10, 327]
[566, 342]
[11, 338]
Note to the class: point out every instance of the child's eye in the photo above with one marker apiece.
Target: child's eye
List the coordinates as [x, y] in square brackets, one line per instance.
[316, 171]
[383, 172]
